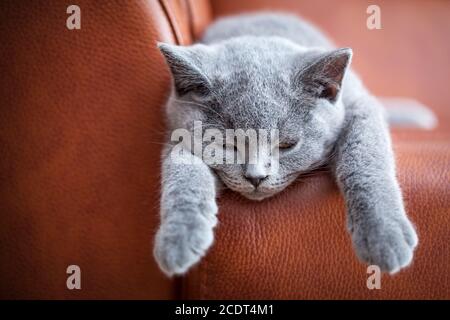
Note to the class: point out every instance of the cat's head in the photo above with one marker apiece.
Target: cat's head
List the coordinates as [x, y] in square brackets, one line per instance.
[261, 83]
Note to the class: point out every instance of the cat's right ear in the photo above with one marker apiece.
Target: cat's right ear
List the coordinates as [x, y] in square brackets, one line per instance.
[323, 76]
[186, 68]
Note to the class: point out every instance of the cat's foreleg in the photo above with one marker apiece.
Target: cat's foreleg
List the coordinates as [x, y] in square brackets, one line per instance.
[188, 212]
[365, 169]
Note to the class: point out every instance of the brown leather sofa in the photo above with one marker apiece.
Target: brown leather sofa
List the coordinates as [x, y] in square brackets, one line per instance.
[80, 136]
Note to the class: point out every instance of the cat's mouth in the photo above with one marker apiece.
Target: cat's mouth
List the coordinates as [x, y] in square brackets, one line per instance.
[263, 191]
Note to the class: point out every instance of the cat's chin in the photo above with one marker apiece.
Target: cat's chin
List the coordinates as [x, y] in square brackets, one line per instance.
[257, 196]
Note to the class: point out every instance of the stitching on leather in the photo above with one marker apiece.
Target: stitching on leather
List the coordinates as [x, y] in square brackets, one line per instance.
[177, 24]
[172, 21]
[191, 19]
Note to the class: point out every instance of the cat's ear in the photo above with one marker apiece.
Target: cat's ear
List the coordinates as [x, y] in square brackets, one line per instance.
[185, 66]
[324, 74]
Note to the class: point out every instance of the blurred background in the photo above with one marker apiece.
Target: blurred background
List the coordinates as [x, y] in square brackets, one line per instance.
[408, 57]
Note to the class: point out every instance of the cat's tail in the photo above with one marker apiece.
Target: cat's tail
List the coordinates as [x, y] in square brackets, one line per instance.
[410, 113]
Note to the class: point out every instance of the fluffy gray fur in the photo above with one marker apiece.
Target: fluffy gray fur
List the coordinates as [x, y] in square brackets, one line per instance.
[277, 71]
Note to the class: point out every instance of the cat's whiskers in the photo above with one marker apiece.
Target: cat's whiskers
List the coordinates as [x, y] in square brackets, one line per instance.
[200, 105]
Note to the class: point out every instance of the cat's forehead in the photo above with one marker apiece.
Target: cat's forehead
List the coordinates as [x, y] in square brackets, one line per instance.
[256, 66]
[253, 79]
[255, 54]
[254, 110]
[263, 47]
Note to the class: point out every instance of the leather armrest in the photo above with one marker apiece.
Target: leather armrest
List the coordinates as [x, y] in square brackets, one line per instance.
[80, 140]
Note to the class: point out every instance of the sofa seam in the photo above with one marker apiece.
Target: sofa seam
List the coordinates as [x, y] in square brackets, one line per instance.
[172, 21]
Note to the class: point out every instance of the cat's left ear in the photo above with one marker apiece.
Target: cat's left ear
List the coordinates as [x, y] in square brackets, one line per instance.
[186, 66]
[324, 75]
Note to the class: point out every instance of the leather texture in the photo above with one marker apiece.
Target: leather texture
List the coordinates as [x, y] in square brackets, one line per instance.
[81, 127]
[80, 137]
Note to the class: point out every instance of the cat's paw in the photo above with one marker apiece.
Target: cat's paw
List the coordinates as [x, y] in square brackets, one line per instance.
[181, 243]
[387, 242]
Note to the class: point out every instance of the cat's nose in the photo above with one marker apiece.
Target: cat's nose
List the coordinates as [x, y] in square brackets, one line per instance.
[256, 180]
[255, 173]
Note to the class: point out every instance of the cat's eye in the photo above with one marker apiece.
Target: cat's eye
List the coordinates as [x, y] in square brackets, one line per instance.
[286, 145]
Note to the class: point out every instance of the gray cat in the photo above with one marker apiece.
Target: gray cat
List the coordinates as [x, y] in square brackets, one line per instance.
[266, 71]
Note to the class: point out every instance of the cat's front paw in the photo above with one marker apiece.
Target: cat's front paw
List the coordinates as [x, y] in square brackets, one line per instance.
[387, 242]
[181, 242]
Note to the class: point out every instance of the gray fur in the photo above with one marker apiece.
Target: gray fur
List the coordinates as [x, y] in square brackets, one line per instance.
[277, 71]
[408, 113]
